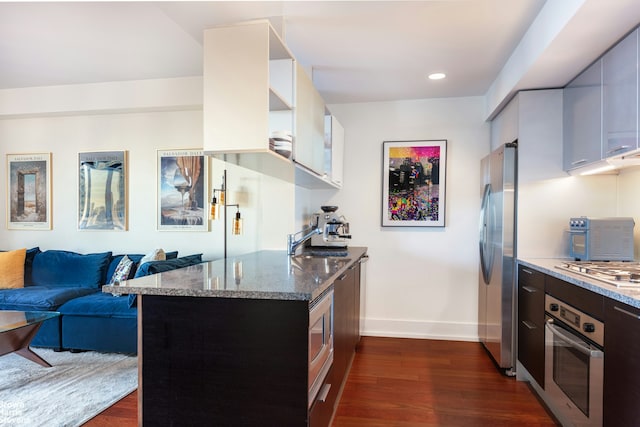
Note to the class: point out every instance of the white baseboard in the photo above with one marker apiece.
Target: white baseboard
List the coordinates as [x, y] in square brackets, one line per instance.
[420, 329]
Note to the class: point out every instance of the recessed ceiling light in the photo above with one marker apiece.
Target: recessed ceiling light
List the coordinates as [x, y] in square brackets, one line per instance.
[437, 76]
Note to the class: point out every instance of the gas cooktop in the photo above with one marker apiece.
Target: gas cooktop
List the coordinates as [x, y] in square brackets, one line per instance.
[617, 273]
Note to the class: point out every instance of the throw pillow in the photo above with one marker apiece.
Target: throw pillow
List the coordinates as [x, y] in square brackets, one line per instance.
[122, 271]
[12, 268]
[155, 255]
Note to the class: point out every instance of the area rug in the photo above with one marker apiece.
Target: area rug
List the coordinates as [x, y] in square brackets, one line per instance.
[77, 387]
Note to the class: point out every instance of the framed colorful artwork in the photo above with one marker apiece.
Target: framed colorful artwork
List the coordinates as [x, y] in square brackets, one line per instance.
[414, 180]
[102, 191]
[29, 191]
[182, 190]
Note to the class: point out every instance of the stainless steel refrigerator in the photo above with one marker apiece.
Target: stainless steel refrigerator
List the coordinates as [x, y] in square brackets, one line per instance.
[497, 287]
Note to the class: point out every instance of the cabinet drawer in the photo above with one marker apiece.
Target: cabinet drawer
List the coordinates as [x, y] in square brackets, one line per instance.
[531, 295]
[322, 409]
[531, 349]
[530, 278]
[531, 305]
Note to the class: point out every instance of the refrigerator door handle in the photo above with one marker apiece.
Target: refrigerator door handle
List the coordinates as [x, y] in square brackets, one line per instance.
[486, 254]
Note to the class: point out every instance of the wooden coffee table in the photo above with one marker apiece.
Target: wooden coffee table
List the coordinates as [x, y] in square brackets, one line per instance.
[17, 329]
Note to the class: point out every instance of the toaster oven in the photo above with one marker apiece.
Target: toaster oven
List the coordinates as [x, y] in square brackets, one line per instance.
[601, 239]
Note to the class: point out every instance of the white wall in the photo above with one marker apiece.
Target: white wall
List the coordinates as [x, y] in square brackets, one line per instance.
[628, 201]
[263, 199]
[422, 282]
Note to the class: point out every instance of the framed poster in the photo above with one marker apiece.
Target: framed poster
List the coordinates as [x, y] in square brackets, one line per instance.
[102, 191]
[29, 191]
[414, 179]
[182, 190]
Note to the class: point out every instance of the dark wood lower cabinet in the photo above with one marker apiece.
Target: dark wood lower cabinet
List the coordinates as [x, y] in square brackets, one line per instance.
[531, 322]
[621, 367]
[346, 333]
[238, 362]
[217, 361]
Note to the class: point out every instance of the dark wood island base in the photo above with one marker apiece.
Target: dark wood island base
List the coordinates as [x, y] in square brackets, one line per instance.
[223, 361]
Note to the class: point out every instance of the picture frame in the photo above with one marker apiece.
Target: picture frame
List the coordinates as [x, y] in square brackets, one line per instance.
[183, 177]
[29, 191]
[414, 183]
[102, 191]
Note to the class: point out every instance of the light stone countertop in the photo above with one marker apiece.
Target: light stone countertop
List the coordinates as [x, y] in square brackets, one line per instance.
[630, 296]
[258, 275]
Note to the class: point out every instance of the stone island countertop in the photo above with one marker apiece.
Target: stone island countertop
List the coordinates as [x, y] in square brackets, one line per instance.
[629, 296]
[257, 275]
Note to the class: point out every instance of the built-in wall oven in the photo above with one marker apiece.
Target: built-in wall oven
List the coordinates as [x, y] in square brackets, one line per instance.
[320, 342]
[574, 363]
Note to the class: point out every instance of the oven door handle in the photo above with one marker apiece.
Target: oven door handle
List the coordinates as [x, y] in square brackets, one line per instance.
[568, 338]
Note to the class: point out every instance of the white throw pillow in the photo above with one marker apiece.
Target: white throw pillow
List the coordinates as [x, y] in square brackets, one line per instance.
[155, 255]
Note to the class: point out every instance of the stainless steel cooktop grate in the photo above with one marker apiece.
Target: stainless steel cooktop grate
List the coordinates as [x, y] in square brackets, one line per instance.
[617, 273]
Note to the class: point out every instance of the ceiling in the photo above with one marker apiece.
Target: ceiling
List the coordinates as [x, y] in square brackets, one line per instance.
[357, 51]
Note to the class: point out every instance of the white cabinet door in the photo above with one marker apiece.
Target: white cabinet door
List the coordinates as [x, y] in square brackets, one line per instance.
[247, 94]
[309, 140]
[337, 151]
[620, 97]
[582, 124]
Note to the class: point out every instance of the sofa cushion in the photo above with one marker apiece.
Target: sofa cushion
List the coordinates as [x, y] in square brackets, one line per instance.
[122, 271]
[98, 305]
[37, 298]
[12, 268]
[70, 269]
[154, 267]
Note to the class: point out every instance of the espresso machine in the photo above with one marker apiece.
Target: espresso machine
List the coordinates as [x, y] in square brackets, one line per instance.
[334, 228]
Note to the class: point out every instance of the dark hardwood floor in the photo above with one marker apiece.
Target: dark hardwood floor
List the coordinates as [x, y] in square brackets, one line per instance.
[409, 382]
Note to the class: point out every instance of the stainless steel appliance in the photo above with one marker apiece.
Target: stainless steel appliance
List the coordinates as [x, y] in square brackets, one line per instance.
[334, 228]
[574, 363]
[320, 344]
[601, 239]
[497, 289]
[620, 274]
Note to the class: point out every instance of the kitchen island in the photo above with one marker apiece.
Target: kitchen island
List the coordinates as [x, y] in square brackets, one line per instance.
[227, 342]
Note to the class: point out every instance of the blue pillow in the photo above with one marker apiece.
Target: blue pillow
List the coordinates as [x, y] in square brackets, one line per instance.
[154, 267]
[64, 268]
[28, 263]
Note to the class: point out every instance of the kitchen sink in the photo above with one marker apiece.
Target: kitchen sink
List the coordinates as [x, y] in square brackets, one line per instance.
[311, 253]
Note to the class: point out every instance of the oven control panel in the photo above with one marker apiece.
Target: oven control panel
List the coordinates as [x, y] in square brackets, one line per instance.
[580, 322]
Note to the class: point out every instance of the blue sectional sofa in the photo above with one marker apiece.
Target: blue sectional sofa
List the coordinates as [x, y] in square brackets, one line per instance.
[71, 283]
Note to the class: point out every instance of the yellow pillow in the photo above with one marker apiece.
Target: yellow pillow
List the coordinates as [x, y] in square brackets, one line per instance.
[12, 268]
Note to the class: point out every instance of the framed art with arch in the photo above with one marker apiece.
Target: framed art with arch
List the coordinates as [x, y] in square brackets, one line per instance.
[29, 191]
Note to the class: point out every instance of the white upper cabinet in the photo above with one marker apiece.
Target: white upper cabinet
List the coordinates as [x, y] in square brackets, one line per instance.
[248, 94]
[253, 88]
[582, 123]
[309, 141]
[620, 97]
[334, 148]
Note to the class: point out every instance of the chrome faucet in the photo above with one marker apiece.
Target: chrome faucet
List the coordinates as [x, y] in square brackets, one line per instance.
[292, 243]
